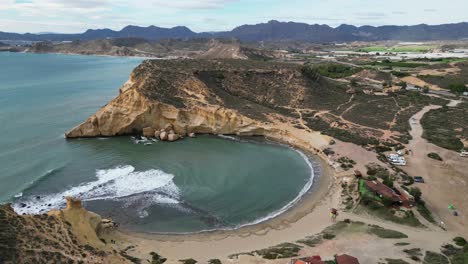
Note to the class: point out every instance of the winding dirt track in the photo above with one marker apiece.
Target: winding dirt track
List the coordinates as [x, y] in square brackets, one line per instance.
[446, 181]
[445, 184]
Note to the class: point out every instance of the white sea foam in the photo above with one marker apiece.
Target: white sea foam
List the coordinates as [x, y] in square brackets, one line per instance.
[283, 209]
[138, 190]
[120, 183]
[228, 137]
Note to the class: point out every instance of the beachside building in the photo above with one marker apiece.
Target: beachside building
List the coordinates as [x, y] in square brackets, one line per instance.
[339, 259]
[383, 190]
[346, 259]
[407, 200]
[399, 197]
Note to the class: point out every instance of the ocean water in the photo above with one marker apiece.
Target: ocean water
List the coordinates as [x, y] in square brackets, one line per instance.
[188, 186]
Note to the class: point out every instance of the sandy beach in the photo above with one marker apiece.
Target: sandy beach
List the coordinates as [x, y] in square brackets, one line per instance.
[311, 215]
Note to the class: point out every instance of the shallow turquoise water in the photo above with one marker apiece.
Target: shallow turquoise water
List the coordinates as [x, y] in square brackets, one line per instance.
[186, 186]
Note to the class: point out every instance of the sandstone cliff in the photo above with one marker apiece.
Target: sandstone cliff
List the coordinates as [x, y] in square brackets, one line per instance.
[64, 236]
[209, 96]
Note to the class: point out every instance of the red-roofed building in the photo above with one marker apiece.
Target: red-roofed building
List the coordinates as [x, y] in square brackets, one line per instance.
[346, 259]
[308, 260]
[383, 190]
[297, 261]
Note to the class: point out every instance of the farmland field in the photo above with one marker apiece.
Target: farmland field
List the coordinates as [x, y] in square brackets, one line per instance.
[396, 49]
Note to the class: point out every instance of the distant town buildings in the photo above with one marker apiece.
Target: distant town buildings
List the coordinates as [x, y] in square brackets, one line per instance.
[339, 259]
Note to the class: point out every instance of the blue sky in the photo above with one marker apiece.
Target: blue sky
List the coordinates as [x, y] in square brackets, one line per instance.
[70, 16]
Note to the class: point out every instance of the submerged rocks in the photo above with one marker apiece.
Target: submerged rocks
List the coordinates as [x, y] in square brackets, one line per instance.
[166, 134]
[173, 137]
[163, 136]
[169, 127]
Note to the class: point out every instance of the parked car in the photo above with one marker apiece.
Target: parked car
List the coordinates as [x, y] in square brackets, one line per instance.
[419, 179]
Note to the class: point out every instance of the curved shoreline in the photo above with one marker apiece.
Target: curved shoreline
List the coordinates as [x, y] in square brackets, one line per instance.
[315, 175]
[305, 204]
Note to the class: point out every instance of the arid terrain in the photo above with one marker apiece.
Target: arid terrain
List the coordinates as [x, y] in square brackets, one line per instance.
[352, 111]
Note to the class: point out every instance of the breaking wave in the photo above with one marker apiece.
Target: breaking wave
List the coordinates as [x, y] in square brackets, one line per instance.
[122, 183]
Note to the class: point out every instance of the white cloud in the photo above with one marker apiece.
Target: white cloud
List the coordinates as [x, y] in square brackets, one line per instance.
[186, 4]
[216, 15]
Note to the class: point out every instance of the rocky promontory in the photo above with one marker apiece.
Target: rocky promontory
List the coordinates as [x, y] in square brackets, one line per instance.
[71, 235]
[209, 97]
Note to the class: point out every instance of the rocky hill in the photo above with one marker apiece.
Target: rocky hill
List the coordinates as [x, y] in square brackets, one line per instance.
[65, 236]
[208, 96]
[188, 48]
[246, 97]
[271, 31]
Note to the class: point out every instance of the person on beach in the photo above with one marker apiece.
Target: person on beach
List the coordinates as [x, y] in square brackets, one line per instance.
[333, 214]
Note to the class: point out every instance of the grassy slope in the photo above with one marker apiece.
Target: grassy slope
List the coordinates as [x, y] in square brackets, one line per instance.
[444, 126]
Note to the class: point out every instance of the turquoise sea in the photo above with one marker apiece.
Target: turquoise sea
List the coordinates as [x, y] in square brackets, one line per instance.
[188, 186]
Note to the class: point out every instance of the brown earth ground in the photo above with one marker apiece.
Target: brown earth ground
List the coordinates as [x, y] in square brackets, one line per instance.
[311, 215]
[446, 181]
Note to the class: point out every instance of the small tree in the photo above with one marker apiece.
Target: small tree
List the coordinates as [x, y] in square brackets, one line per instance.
[416, 193]
[387, 180]
[458, 88]
[403, 85]
[425, 89]
[387, 201]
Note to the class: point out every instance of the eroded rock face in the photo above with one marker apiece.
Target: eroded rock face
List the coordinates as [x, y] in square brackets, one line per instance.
[163, 136]
[200, 96]
[65, 236]
[148, 132]
[173, 137]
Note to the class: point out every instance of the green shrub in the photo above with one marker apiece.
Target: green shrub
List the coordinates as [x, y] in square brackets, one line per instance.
[435, 258]
[386, 233]
[157, 259]
[457, 88]
[396, 261]
[416, 193]
[401, 244]
[188, 261]
[285, 250]
[424, 211]
[331, 70]
[460, 241]
[435, 156]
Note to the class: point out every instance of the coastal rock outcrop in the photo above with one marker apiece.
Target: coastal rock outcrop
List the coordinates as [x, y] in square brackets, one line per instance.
[148, 132]
[187, 110]
[163, 136]
[172, 137]
[185, 97]
[62, 236]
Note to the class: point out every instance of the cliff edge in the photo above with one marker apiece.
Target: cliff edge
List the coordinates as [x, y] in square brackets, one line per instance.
[210, 97]
[64, 236]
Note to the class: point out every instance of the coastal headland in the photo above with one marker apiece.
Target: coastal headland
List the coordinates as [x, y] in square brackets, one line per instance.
[289, 104]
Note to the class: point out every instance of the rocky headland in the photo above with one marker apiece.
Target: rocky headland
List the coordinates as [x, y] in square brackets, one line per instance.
[348, 126]
[233, 97]
[63, 236]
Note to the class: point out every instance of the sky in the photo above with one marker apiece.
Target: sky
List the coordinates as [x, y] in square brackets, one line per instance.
[74, 16]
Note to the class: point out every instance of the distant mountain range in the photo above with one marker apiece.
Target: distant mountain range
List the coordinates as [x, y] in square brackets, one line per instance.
[271, 31]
